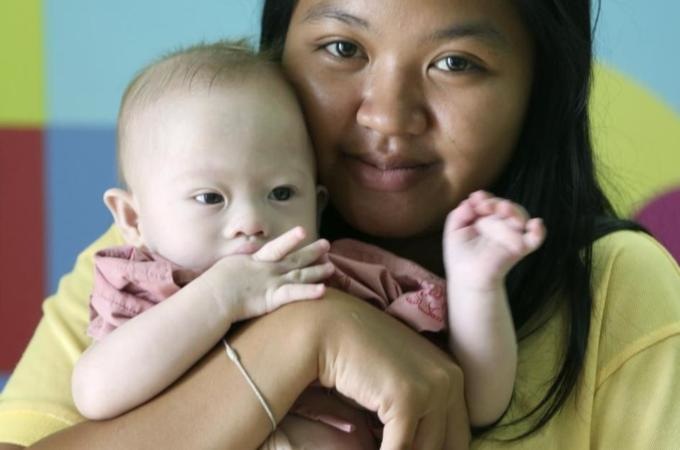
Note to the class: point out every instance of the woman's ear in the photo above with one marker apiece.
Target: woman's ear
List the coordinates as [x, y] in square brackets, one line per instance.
[321, 202]
[123, 208]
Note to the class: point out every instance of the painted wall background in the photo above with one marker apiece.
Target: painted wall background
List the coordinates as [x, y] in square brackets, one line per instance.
[65, 63]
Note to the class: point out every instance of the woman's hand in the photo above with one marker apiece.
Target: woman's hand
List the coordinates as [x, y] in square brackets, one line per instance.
[415, 388]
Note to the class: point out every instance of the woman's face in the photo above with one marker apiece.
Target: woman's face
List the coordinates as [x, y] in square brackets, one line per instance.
[411, 105]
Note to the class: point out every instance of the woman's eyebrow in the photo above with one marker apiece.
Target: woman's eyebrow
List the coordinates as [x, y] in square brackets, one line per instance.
[326, 11]
[479, 30]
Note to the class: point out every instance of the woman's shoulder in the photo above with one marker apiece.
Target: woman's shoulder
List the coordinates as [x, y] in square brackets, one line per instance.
[636, 254]
[74, 287]
[636, 286]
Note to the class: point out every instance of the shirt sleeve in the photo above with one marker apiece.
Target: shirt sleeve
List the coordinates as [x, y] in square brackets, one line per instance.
[638, 406]
[37, 401]
[637, 395]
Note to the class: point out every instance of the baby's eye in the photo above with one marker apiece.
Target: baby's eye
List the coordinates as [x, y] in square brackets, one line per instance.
[281, 193]
[453, 63]
[209, 198]
[342, 49]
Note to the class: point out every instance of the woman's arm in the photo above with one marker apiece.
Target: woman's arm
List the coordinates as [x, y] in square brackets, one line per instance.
[370, 357]
[212, 406]
[415, 388]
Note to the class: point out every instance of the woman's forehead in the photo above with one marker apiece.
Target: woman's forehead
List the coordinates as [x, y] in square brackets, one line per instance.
[432, 19]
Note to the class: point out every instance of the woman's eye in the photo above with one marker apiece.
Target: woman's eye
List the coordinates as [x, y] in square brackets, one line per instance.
[454, 64]
[342, 49]
[209, 198]
[281, 193]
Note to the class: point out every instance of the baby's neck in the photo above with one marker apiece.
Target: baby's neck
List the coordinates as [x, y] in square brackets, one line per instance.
[423, 250]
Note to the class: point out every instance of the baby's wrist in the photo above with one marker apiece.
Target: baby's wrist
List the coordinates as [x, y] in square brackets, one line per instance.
[210, 286]
[474, 280]
[491, 288]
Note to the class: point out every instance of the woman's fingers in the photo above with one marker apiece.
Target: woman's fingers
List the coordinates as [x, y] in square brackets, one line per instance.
[277, 249]
[398, 434]
[362, 354]
[431, 431]
[457, 431]
[277, 441]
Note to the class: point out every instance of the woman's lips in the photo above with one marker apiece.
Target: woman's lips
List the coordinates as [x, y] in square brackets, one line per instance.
[388, 177]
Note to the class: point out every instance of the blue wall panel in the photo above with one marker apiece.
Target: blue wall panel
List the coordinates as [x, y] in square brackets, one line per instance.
[80, 166]
[94, 48]
[640, 38]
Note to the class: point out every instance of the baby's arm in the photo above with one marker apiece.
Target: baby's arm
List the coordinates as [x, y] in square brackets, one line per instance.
[484, 238]
[149, 352]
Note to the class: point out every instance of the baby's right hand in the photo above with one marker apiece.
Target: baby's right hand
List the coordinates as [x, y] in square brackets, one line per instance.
[246, 286]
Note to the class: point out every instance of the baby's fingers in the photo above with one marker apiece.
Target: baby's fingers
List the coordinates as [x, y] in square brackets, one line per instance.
[311, 274]
[307, 255]
[295, 292]
[503, 233]
[277, 249]
[534, 234]
[462, 216]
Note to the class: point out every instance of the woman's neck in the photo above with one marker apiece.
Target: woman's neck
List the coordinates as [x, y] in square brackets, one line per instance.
[423, 250]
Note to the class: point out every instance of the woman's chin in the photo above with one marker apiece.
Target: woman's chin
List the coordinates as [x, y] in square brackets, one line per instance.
[393, 224]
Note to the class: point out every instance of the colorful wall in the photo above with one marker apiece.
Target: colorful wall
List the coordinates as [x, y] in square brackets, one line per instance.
[64, 64]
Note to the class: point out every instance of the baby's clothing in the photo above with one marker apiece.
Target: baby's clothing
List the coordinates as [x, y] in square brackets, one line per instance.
[129, 281]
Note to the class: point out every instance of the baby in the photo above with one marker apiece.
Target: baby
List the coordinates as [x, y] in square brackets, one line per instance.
[220, 211]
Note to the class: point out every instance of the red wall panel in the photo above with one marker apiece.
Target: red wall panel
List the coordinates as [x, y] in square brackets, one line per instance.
[22, 260]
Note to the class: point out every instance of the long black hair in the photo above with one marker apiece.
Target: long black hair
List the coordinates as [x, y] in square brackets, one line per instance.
[551, 174]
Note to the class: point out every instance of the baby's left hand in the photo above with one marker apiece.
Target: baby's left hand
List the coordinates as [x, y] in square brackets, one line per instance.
[484, 237]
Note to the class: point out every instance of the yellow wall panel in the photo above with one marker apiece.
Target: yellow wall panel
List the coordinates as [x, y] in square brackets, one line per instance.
[637, 140]
[22, 73]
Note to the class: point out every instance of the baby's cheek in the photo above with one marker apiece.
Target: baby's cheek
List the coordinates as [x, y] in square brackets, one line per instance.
[190, 251]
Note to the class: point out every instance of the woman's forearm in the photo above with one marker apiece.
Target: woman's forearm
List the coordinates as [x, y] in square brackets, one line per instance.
[212, 406]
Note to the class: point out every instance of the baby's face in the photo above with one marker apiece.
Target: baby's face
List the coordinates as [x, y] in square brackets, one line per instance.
[225, 171]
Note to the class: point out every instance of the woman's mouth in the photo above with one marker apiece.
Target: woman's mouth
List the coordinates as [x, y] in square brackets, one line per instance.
[389, 175]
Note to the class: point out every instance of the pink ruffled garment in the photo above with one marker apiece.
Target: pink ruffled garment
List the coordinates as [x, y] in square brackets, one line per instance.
[129, 281]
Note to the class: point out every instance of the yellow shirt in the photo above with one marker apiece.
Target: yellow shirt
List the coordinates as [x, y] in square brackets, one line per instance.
[628, 396]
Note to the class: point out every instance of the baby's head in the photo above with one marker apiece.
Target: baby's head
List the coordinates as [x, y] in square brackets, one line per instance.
[214, 156]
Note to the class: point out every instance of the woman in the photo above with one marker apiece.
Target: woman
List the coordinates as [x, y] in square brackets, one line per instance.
[411, 106]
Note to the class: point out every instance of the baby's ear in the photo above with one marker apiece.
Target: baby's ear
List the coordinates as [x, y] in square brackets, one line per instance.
[321, 202]
[123, 208]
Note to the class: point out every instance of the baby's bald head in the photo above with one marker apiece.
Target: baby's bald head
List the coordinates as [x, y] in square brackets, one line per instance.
[197, 69]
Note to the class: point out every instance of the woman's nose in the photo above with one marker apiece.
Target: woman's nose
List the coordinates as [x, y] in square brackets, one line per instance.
[393, 103]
